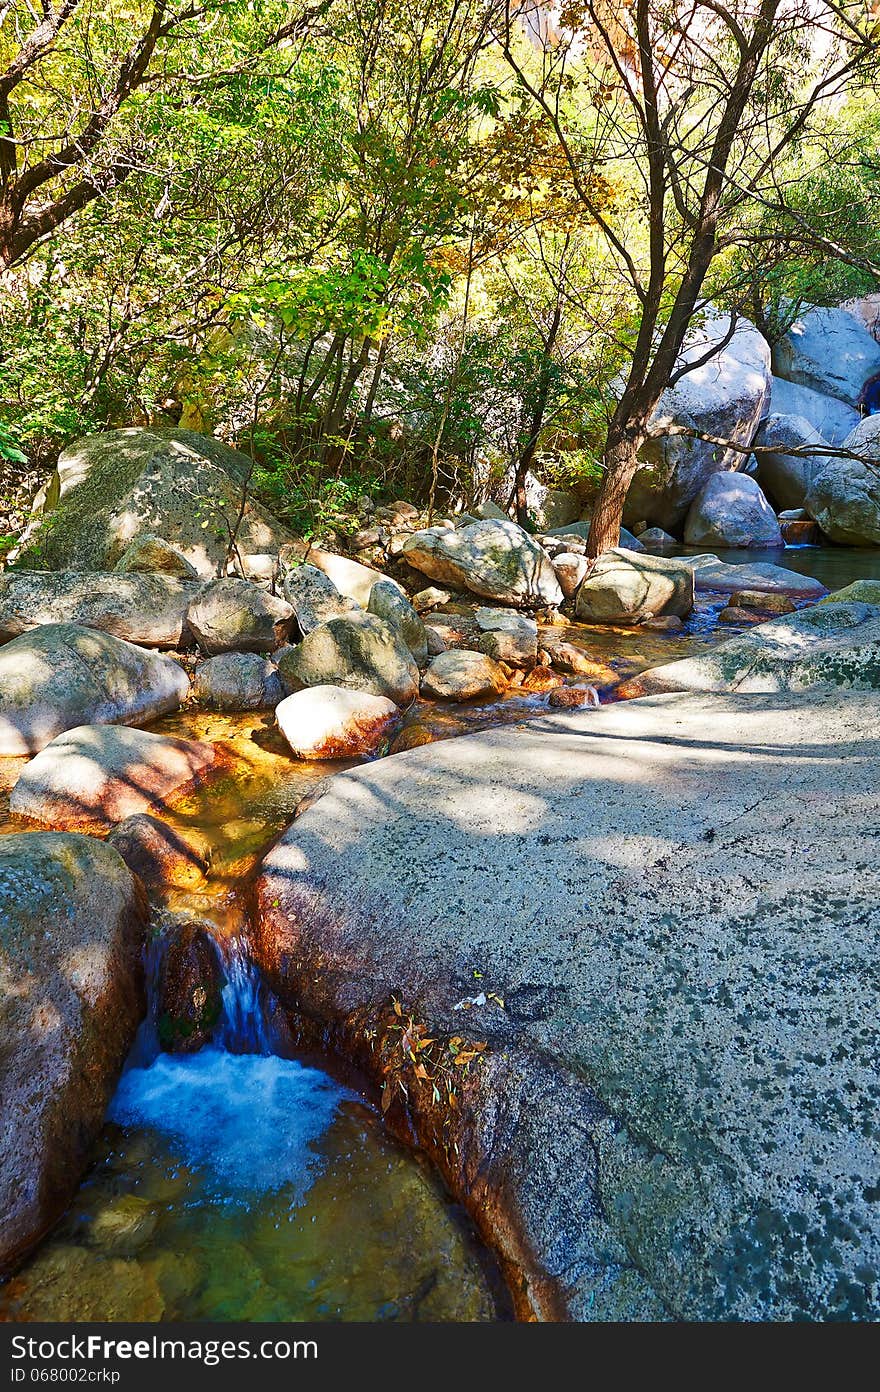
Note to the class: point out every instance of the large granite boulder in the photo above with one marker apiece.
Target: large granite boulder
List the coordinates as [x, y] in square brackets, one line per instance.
[731, 510]
[172, 482]
[627, 587]
[844, 494]
[830, 644]
[727, 397]
[148, 554]
[785, 478]
[93, 776]
[147, 609]
[62, 675]
[352, 579]
[389, 603]
[831, 418]
[359, 651]
[643, 941]
[829, 351]
[493, 559]
[72, 918]
[237, 616]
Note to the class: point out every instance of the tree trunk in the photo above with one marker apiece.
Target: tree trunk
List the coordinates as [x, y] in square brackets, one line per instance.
[621, 464]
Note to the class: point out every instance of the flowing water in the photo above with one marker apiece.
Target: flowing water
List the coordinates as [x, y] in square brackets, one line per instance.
[243, 1181]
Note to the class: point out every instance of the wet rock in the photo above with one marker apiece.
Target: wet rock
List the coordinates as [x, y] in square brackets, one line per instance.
[493, 559]
[759, 599]
[731, 510]
[191, 980]
[314, 598]
[360, 652]
[124, 1225]
[844, 494]
[94, 775]
[237, 616]
[148, 553]
[830, 351]
[800, 533]
[69, 1283]
[62, 675]
[569, 697]
[333, 722]
[831, 418]
[623, 587]
[541, 678]
[732, 614]
[462, 676]
[714, 1164]
[160, 855]
[388, 603]
[72, 918]
[118, 484]
[145, 609]
[725, 396]
[664, 623]
[430, 598]
[570, 571]
[237, 681]
[830, 644]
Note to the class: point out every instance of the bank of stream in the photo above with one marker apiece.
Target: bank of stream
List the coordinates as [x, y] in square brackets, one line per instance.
[251, 1180]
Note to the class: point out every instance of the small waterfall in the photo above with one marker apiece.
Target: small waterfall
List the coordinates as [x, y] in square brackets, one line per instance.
[245, 1026]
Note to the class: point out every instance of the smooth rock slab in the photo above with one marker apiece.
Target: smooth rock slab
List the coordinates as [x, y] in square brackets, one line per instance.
[95, 775]
[62, 675]
[146, 609]
[830, 351]
[835, 644]
[722, 578]
[832, 418]
[72, 918]
[493, 559]
[844, 494]
[332, 722]
[677, 901]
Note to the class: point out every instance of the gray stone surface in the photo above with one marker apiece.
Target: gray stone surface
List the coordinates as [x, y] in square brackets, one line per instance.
[361, 652]
[831, 418]
[677, 901]
[625, 587]
[829, 351]
[147, 609]
[72, 918]
[237, 681]
[724, 578]
[174, 483]
[238, 616]
[831, 643]
[844, 494]
[731, 510]
[460, 675]
[493, 559]
[727, 396]
[61, 675]
[388, 603]
[314, 598]
[786, 478]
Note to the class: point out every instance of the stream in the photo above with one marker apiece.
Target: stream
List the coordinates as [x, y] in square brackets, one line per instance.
[249, 1181]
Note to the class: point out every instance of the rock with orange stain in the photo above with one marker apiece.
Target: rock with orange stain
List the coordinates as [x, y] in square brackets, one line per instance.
[333, 722]
[541, 679]
[566, 697]
[94, 775]
[191, 980]
[160, 855]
